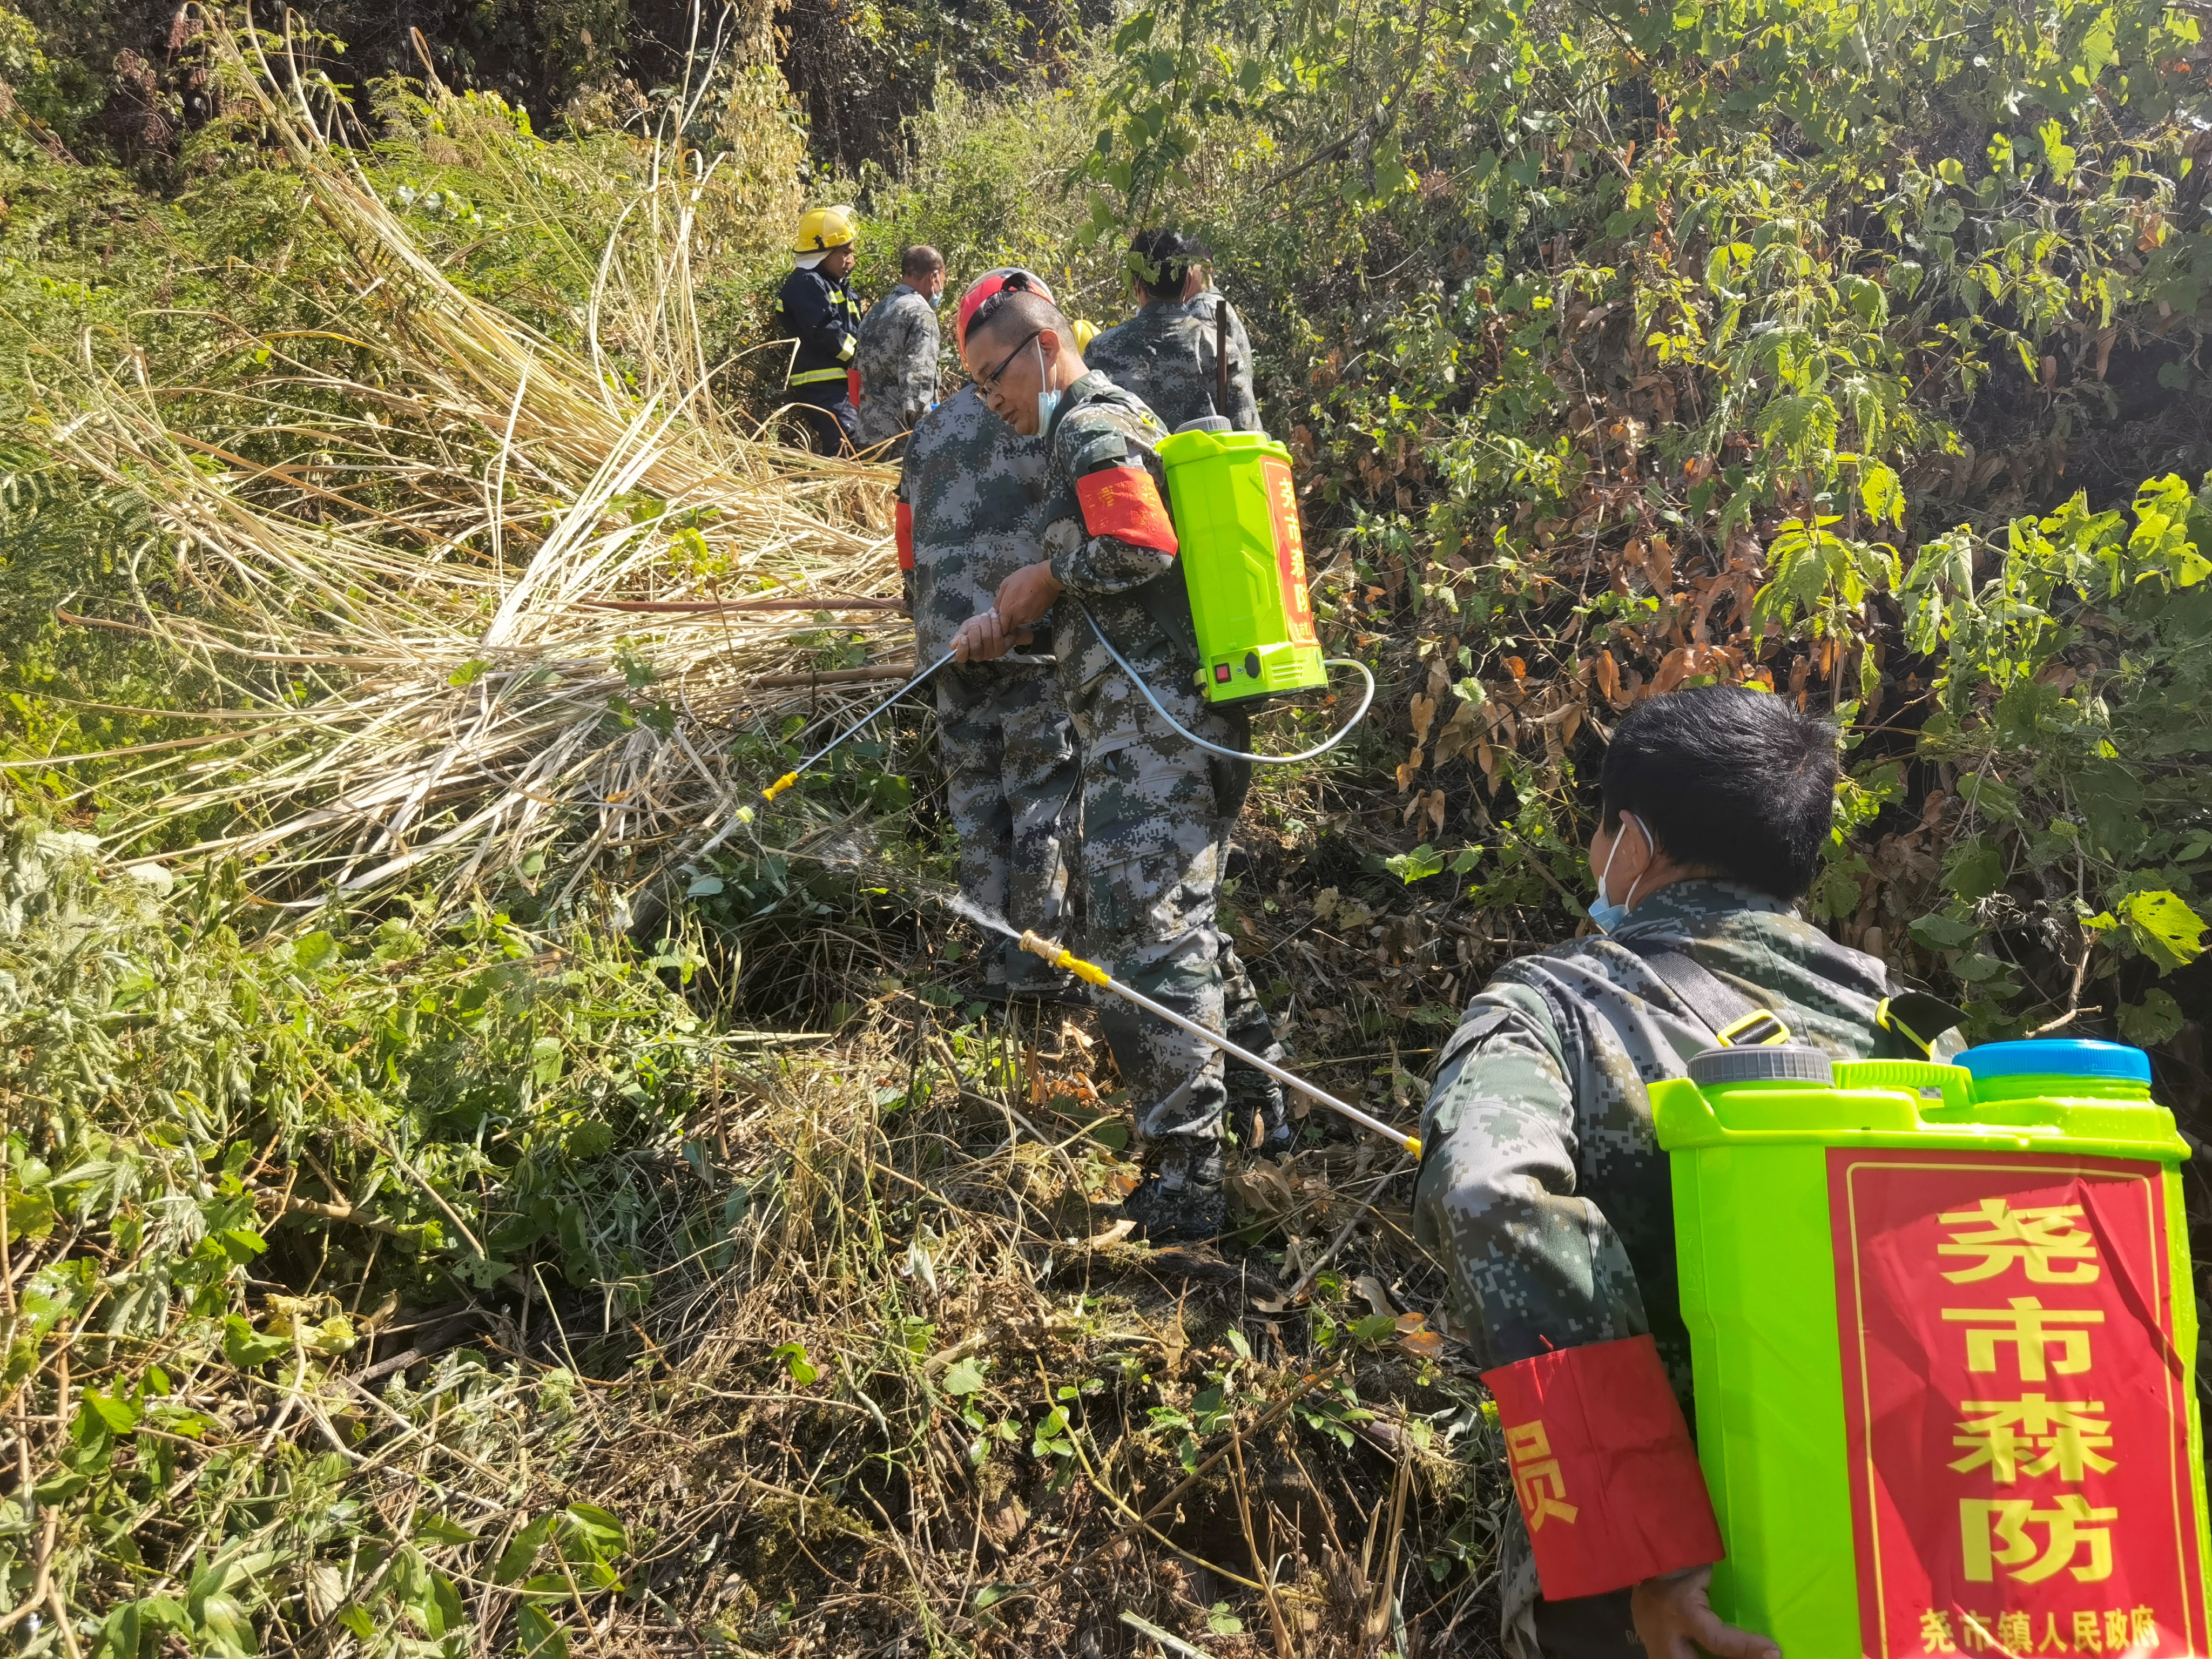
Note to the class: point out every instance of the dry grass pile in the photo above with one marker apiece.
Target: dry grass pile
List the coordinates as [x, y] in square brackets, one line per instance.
[469, 591]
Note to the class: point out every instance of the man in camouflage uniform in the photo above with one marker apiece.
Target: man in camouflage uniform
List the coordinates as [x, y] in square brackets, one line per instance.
[1541, 1187]
[898, 355]
[1157, 810]
[1167, 355]
[970, 510]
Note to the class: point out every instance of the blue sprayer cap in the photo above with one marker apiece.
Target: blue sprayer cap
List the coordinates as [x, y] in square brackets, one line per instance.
[2057, 1057]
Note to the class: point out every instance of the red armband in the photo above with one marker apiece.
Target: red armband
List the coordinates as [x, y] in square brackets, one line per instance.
[853, 386]
[904, 519]
[1123, 501]
[1602, 1464]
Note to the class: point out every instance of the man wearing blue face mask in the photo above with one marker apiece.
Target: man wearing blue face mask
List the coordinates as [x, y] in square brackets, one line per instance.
[1157, 810]
[898, 357]
[1541, 1186]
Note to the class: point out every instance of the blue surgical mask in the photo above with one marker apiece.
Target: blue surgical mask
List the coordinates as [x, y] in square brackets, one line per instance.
[937, 299]
[1048, 399]
[1605, 915]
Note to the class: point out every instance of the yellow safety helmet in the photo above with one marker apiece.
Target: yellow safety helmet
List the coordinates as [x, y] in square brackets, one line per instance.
[825, 228]
[1085, 332]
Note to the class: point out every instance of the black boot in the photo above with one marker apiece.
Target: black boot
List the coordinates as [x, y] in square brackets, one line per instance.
[1181, 1199]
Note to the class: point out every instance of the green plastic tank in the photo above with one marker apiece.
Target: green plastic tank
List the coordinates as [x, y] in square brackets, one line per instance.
[1943, 1338]
[1243, 561]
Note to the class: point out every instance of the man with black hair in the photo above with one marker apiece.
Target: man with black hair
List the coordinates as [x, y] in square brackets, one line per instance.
[1541, 1187]
[1167, 354]
[898, 356]
[1156, 809]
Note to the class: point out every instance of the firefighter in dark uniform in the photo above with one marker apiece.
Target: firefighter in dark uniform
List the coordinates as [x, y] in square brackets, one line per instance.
[818, 311]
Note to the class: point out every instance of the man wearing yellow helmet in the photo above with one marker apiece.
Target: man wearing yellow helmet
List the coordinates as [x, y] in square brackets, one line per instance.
[821, 317]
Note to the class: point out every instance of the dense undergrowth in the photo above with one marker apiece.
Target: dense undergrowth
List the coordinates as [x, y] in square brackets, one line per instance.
[446, 1268]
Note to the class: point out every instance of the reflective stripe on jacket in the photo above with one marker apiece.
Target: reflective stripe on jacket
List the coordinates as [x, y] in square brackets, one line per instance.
[824, 319]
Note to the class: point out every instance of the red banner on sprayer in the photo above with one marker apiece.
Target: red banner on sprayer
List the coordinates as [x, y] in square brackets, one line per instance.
[1290, 551]
[2014, 1403]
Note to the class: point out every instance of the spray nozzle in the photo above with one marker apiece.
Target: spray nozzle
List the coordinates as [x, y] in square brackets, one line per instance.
[1059, 956]
[780, 786]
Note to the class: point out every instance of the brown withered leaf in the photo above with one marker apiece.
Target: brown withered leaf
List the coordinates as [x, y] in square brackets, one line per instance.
[1371, 1291]
[1608, 682]
[1428, 807]
[1415, 1337]
[1722, 662]
[1459, 735]
[1425, 714]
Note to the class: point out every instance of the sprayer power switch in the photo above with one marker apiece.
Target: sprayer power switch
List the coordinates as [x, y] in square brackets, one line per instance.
[1221, 673]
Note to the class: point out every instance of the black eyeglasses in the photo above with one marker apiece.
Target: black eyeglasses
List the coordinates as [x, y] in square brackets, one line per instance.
[990, 382]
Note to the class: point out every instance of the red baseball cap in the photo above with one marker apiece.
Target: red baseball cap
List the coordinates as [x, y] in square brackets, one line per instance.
[989, 283]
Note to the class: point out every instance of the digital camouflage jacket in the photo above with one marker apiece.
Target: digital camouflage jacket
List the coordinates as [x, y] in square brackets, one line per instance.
[897, 360]
[1133, 592]
[1165, 355]
[976, 488]
[1541, 1187]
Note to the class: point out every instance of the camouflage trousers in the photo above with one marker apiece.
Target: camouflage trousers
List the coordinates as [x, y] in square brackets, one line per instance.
[1157, 813]
[1009, 756]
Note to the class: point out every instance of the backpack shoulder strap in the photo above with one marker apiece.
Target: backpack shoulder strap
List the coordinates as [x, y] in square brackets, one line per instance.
[1914, 1019]
[1733, 1018]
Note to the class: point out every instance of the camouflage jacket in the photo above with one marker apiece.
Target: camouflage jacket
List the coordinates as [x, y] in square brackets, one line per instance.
[1541, 1187]
[897, 361]
[1135, 594]
[976, 488]
[1164, 355]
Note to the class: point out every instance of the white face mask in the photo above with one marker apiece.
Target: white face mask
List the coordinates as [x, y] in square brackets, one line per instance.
[1048, 398]
[1605, 915]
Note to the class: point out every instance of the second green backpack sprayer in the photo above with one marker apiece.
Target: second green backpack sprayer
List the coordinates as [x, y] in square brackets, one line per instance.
[1943, 1328]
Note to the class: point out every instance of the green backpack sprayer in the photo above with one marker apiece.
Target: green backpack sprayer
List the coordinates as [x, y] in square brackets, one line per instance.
[1244, 563]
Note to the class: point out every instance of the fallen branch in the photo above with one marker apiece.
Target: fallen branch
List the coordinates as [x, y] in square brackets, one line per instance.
[882, 670]
[698, 607]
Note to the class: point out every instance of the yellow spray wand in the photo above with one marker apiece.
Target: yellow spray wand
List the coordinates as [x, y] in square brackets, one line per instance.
[810, 762]
[1058, 956]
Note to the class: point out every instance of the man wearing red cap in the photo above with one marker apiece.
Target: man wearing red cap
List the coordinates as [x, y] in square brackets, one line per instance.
[1156, 809]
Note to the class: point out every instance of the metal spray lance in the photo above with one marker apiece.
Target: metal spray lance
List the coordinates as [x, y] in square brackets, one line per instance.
[1025, 659]
[814, 759]
[1059, 956]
